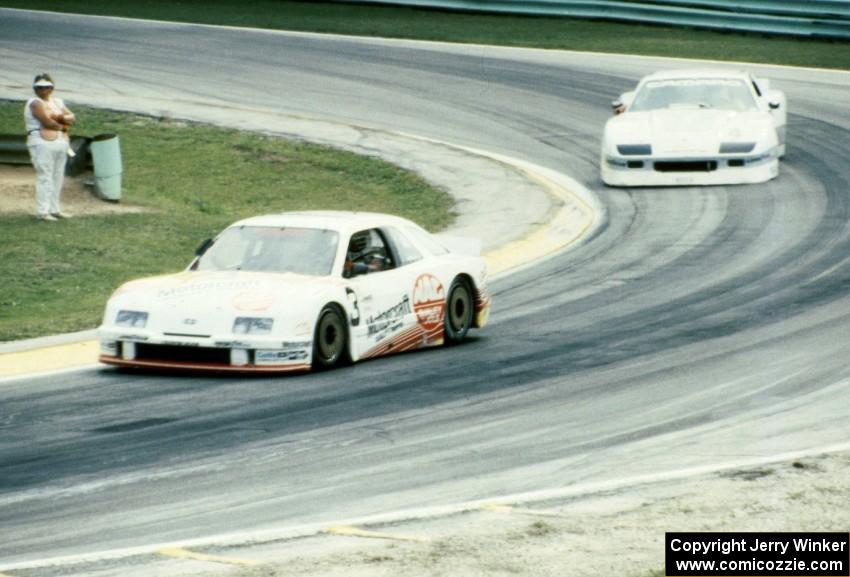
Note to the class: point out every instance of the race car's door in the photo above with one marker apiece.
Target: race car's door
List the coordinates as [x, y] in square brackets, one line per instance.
[380, 295]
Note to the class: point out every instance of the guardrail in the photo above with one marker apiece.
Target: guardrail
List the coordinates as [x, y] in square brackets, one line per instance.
[13, 150]
[816, 18]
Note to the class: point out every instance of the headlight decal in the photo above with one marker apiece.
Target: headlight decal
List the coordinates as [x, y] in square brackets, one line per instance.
[737, 147]
[634, 149]
[253, 325]
[134, 319]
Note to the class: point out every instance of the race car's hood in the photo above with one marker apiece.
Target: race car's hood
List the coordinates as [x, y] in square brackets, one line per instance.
[686, 132]
[196, 301]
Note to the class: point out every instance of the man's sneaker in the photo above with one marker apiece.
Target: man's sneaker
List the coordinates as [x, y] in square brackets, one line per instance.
[47, 217]
[56, 215]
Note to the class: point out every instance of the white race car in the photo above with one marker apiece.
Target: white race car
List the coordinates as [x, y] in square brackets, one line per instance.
[695, 127]
[301, 290]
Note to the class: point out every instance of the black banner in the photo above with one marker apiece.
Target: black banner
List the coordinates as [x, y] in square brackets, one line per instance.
[757, 554]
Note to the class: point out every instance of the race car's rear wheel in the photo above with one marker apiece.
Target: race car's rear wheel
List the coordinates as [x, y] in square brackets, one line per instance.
[459, 311]
[331, 338]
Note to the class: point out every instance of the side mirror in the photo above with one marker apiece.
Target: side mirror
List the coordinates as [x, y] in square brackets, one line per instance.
[619, 105]
[775, 105]
[204, 247]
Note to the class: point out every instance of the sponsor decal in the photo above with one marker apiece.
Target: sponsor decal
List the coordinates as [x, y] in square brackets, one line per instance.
[383, 329]
[388, 321]
[429, 301]
[233, 344]
[253, 301]
[429, 305]
[273, 357]
[207, 286]
[288, 345]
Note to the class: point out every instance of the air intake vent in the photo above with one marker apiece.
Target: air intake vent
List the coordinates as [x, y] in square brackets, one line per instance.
[200, 355]
[687, 166]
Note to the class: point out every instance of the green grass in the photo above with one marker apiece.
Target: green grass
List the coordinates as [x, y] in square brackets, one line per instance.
[408, 22]
[196, 179]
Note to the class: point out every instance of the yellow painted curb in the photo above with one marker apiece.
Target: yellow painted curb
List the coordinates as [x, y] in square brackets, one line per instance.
[351, 531]
[49, 358]
[570, 223]
[496, 508]
[187, 554]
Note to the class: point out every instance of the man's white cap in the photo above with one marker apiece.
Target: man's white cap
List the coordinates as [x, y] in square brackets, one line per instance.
[42, 83]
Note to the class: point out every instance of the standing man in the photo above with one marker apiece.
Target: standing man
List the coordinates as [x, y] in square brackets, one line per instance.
[47, 121]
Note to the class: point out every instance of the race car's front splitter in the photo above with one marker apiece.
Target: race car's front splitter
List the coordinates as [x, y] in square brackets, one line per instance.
[205, 367]
[689, 171]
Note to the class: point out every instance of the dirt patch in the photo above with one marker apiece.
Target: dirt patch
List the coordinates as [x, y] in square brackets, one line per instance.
[615, 533]
[17, 194]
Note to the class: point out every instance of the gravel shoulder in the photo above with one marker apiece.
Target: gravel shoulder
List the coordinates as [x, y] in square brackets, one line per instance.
[617, 532]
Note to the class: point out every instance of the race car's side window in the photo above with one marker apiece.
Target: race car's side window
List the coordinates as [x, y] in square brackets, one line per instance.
[368, 253]
[406, 250]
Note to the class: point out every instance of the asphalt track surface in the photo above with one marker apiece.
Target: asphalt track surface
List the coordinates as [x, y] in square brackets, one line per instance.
[699, 327]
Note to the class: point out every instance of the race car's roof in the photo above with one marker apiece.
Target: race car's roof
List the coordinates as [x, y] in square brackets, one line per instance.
[685, 73]
[342, 221]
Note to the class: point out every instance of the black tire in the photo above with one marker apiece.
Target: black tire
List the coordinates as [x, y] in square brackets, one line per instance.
[460, 308]
[330, 343]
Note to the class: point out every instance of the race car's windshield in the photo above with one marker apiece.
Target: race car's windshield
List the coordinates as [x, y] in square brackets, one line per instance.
[308, 251]
[718, 93]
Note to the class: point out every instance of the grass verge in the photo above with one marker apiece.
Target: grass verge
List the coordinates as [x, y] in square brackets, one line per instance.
[196, 179]
[503, 29]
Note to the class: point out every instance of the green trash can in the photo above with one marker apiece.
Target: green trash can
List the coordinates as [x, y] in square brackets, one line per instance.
[106, 157]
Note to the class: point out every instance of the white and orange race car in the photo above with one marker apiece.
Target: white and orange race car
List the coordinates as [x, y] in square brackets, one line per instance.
[300, 290]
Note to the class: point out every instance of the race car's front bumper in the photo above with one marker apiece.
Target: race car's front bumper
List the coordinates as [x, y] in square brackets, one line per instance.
[648, 171]
[143, 349]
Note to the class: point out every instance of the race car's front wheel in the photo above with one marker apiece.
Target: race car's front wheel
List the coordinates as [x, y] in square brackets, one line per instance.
[329, 343]
[459, 311]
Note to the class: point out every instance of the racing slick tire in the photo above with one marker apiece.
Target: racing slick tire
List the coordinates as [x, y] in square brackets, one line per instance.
[460, 309]
[330, 343]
